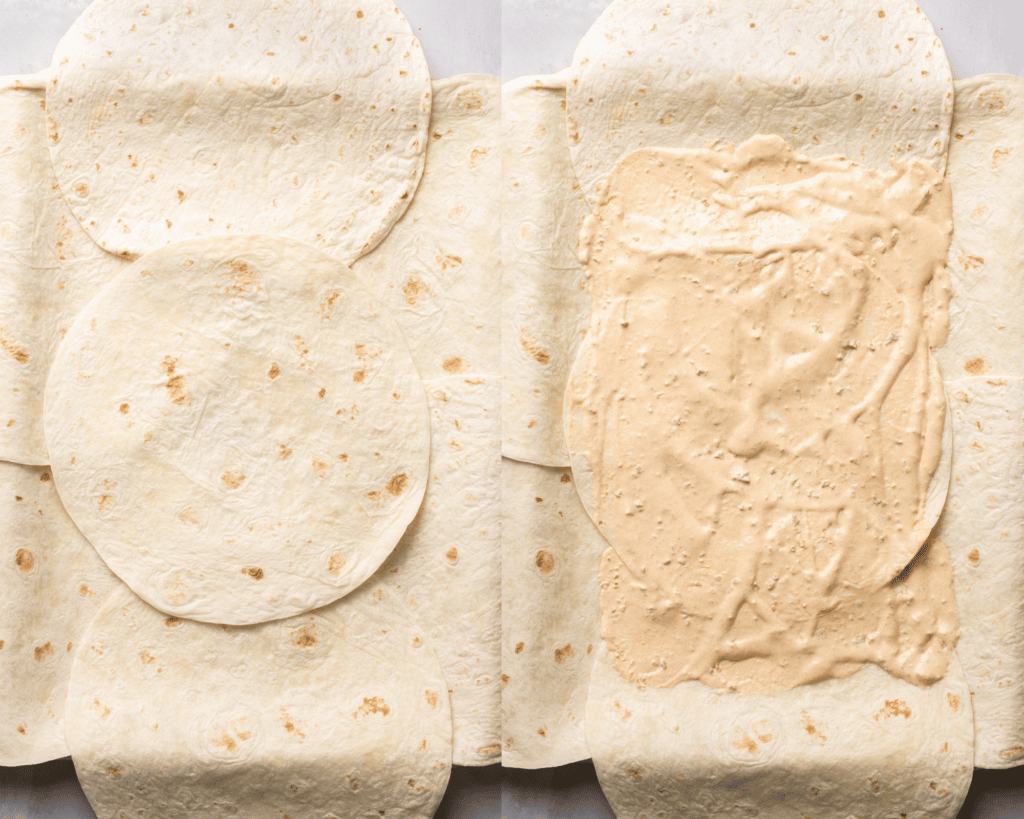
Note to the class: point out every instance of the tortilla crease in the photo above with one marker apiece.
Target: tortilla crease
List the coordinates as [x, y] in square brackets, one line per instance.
[175, 121]
[869, 746]
[53, 584]
[440, 269]
[545, 308]
[338, 713]
[551, 558]
[49, 267]
[447, 567]
[983, 522]
[238, 427]
[859, 79]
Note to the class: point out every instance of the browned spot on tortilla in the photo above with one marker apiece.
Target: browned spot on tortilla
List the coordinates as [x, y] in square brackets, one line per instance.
[531, 425]
[43, 651]
[745, 743]
[634, 773]
[359, 376]
[812, 729]
[413, 289]
[114, 771]
[123, 409]
[538, 500]
[452, 554]
[520, 647]
[25, 560]
[353, 782]
[1013, 753]
[976, 366]
[21, 729]
[471, 99]
[431, 698]
[533, 349]
[998, 155]
[335, 564]
[11, 347]
[453, 365]
[177, 387]
[881, 14]
[894, 708]
[181, 196]
[274, 371]
[542, 731]
[172, 622]
[320, 467]
[290, 726]
[970, 262]
[232, 480]
[359, 14]
[564, 653]
[396, 486]
[45, 477]
[504, 680]
[545, 561]
[954, 700]
[476, 155]
[993, 98]
[256, 573]
[373, 495]
[566, 478]
[446, 260]
[304, 637]
[104, 502]
[283, 451]
[225, 741]
[81, 189]
[974, 557]
[147, 658]
[372, 705]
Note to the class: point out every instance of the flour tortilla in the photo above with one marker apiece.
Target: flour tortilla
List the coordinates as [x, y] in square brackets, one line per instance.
[171, 122]
[238, 427]
[54, 583]
[440, 269]
[551, 558]
[866, 80]
[545, 309]
[49, 267]
[338, 713]
[869, 746]
[986, 259]
[447, 567]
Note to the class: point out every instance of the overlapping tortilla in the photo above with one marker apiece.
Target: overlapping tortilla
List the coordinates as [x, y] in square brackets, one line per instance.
[551, 558]
[53, 583]
[338, 713]
[49, 267]
[861, 79]
[440, 269]
[447, 567]
[545, 309]
[869, 746]
[238, 427]
[170, 122]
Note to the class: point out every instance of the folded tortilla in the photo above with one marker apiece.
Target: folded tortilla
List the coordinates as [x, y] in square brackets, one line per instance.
[53, 585]
[49, 267]
[545, 308]
[447, 567]
[341, 712]
[550, 562]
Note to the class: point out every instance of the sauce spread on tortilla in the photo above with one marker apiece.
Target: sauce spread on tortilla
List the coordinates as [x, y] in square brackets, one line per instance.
[761, 416]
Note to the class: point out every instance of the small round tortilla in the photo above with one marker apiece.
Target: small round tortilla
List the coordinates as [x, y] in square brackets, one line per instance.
[342, 712]
[869, 746]
[239, 429]
[172, 121]
[863, 80]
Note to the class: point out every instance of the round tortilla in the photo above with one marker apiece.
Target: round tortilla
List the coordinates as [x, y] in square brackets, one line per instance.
[864, 80]
[169, 121]
[869, 746]
[54, 583]
[342, 712]
[238, 427]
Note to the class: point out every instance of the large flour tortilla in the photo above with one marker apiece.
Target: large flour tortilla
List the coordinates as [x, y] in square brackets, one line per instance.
[861, 79]
[447, 567]
[440, 269]
[338, 713]
[171, 121]
[545, 308]
[983, 361]
[53, 584]
[550, 561]
[869, 746]
[238, 427]
[49, 268]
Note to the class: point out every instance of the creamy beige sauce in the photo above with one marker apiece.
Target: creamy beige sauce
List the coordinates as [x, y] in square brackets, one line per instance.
[762, 416]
